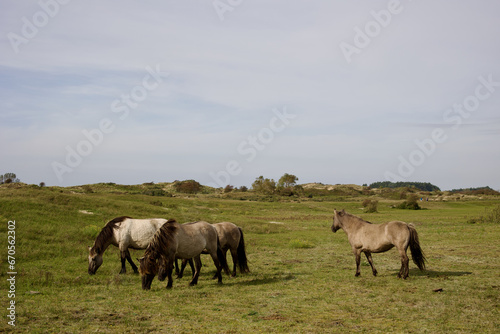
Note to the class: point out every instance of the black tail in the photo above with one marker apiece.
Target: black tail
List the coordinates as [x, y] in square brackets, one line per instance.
[416, 252]
[222, 258]
[242, 256]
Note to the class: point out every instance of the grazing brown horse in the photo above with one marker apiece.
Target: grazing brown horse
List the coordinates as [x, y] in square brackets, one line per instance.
[377, 238]
[186, 241]
[231, 238]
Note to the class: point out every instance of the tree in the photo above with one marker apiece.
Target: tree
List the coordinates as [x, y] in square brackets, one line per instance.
[287, 185]
[264, 186]
[287, 181]
[9, 178]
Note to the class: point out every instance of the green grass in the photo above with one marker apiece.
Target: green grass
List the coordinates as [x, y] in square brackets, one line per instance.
[302, 275]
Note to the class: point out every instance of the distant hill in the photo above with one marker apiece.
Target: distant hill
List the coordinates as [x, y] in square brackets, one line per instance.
[476, 191]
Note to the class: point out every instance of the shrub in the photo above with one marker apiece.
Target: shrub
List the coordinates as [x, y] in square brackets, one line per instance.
[188, 186]
[489, 216]
[370, 206]
[154, 192]
[264, 186]
[410, 203]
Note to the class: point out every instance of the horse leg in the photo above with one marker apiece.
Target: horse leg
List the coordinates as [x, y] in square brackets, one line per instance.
[183, 266]
[215, 258]
[190, 261]
[170, 269]
[180, 272]
[357, 254]
[370, 261]
[233, 274]
[234, 255]
[123, 256]
[405, 269]
[197, 262]
[177, 272]
[132, 264]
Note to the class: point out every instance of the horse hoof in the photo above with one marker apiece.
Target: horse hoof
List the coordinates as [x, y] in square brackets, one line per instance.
[357, 275]
[375, 273]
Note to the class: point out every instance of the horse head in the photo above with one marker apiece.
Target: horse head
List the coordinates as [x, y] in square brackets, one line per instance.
[336, 220]
[148, 268]
[95, 261]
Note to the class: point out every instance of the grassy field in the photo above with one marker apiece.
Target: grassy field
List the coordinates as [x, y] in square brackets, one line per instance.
[301, 280]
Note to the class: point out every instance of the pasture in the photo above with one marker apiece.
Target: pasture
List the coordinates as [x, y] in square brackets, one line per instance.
[301, 280]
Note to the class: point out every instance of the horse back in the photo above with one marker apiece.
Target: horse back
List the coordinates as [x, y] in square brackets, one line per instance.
[229, 234]
[193, 238]
[137, 233]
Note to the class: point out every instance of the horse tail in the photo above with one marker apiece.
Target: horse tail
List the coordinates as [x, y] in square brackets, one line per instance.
[241, 253]
[416, 252]
[221, 256]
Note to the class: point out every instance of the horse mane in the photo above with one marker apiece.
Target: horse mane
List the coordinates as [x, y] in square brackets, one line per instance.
[105, 234]
[356, 217]
[162, 239]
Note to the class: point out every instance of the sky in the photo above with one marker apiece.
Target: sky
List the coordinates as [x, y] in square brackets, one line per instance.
[225, 91]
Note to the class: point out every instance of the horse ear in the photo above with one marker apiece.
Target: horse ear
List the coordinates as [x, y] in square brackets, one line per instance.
[342, 212]
[89, 248]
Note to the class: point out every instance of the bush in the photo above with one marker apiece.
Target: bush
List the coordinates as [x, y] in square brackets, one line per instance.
[490, 216]
[264, 186]
[410, 203]
[187, 187]
[154, 192]
[370, 206]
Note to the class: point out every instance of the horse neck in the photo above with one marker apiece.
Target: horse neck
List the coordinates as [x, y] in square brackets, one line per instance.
[351, 224]
[104, 244]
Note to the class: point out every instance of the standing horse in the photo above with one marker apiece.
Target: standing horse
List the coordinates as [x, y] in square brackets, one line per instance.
[186, 241]
[370, 238]
[231, 238]
[124, 233]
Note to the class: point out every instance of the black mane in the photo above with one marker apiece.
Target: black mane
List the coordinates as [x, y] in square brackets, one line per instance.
[105, 234]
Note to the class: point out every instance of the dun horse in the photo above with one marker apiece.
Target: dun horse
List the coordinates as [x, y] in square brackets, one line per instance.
[186, 241]
[231, 238]
[377, 238]
[124, 233]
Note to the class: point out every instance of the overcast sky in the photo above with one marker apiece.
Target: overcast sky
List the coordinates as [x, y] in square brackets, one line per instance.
[225, 91]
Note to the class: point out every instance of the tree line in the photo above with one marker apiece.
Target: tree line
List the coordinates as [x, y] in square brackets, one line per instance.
[423, 186]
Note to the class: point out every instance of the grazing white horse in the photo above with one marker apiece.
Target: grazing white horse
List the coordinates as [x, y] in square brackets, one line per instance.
[124, 233]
